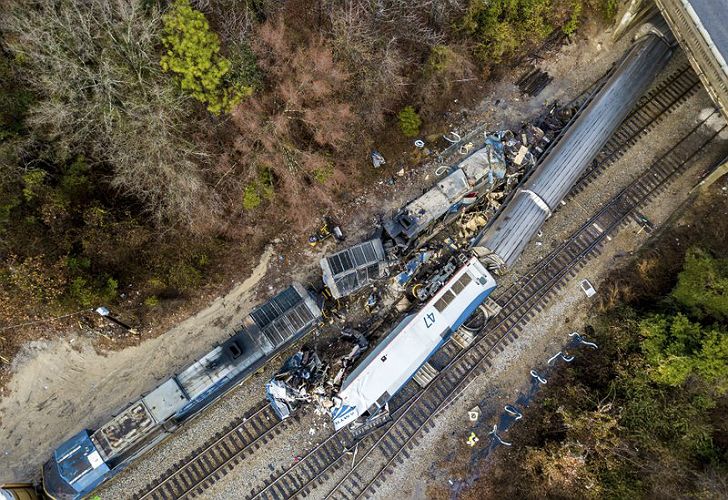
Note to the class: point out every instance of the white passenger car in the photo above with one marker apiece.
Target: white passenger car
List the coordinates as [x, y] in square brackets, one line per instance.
[406, 348]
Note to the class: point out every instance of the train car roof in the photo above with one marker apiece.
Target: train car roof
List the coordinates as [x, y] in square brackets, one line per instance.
[76, 467]
[350, 269]
[391, 363]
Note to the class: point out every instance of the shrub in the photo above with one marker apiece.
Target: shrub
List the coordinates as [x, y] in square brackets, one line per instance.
[323, 174]
[409, 122]
[193, 54]
[86, 293]
[573, 23]
[439, 59]
[184, 277]
[702, 285]
[151, 301]
[32, 181]
[266, 182]
[251, 198]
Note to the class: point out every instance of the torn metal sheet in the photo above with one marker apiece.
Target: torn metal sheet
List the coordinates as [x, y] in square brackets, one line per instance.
[294, 383]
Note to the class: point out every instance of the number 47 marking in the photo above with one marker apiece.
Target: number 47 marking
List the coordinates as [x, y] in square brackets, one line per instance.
[430, 320]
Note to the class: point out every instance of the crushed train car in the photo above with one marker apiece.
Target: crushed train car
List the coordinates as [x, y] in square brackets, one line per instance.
[293, 384]
[478, 172]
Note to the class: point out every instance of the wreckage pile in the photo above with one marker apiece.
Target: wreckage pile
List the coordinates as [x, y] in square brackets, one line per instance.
[412, 256]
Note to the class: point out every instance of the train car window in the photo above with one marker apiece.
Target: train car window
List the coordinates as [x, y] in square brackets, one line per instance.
[465, 279]
[235, 350]
[461, 283]
[444, 301]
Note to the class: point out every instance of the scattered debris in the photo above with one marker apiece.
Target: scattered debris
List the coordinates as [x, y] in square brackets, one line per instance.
[495, 435]
[472, 439]
[578, 338]
[377, 159]
[534, 81]
[328, 229]
[538, 377]
[587, 287]
[295, 382]
[454, 139]
[513, 412]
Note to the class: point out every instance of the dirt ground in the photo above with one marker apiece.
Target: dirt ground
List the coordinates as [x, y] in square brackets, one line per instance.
[61, 386]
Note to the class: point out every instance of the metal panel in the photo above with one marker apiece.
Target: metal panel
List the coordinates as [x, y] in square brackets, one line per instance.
[353, 268]
[454, 186]
[124, 431]
[557, 174]
[165, 400]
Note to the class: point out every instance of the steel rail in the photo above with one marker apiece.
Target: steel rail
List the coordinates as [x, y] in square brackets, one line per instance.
[654, 96]
[620, 219]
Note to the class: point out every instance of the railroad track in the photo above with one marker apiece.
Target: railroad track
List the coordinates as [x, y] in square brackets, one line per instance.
[214, 459]
[651, 110]
[391, 445]
[201, 468]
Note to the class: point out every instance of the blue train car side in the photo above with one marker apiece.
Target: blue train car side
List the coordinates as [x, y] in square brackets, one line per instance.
[90, 457]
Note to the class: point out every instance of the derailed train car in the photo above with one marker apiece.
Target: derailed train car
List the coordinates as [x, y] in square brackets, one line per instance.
[398, 357]
[477, 173]
[90, 457]
[367, 390]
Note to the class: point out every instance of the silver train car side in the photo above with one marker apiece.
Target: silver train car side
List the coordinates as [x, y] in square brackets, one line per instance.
[410, 344]
[91, 457]
[504, 240]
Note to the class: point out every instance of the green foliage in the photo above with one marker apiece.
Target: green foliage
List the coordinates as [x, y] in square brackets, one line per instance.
[244, 67]
[323, 174]
[151, 301]
[266, 182]
[409, 122]
[184, 277]
[609, 8]
[251, 198]
[75, 180]
[677, 347]
[702, 285]
[193, 54]
[262, 187]
[33, 182]
[440, 57]
[573, 23]
[86, 293]
[501, 27]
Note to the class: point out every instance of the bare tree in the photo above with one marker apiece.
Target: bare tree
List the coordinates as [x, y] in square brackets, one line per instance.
[94, 65]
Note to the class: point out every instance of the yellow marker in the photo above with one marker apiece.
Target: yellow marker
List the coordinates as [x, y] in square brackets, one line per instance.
[472, 439]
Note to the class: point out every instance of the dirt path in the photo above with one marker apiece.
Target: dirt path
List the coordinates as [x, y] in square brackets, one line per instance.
[56, 383]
